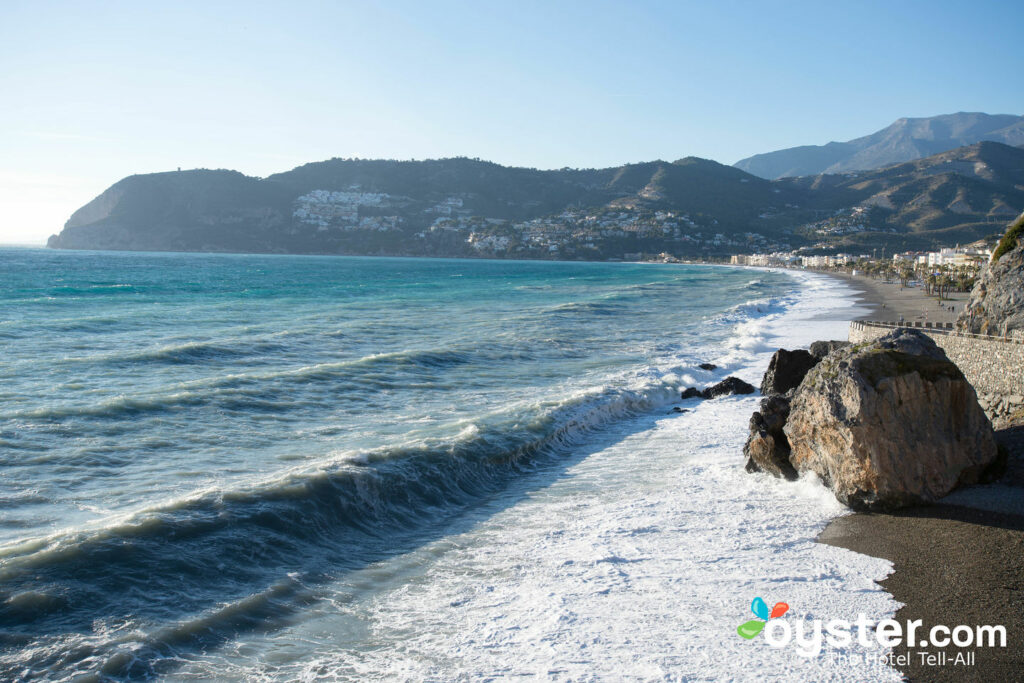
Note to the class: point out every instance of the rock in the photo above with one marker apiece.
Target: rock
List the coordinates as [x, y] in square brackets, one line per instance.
[889, 423]
[820, 349]
[786, 370]
[691, 392]
[996, 305]
[767, 448]
[727, 387]
[677, 409]
[707, 366]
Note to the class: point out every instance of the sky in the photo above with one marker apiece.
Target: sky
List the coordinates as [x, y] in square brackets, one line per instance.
[91, 92]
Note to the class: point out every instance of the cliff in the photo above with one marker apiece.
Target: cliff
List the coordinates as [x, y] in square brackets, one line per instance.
[996, 305]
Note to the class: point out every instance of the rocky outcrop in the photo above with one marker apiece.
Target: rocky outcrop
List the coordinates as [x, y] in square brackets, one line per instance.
[727, 387]
[785, 371]
[889, 423]
[767, 449]
[997, 300]
[820, 349]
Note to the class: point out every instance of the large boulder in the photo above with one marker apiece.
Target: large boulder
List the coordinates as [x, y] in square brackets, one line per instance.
[889, 423]
[997, 300]
[786, 370]
[767, 448]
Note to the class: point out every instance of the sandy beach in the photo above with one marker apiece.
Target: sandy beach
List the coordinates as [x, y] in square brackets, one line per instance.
[957, 562]
[890, 301]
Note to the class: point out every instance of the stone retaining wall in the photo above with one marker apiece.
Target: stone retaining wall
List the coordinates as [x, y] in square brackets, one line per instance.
[993, 365]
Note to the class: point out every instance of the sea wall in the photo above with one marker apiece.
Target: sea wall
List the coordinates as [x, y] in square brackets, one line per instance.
[993, 365]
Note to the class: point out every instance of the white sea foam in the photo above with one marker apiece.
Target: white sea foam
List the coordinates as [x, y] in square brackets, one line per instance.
[638, 563]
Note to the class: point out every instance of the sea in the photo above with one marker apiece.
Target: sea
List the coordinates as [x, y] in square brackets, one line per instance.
[304, 468]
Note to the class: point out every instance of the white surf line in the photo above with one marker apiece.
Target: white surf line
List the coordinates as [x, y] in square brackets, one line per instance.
[638, 564]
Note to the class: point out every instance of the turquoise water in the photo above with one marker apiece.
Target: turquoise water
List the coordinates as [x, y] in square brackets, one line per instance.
[180, 433]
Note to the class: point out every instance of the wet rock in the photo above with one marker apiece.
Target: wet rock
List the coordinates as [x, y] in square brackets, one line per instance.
[889, 423]
[707, 366]
[785, 371]
[677, 409]
[728, 387]
[691, 392]
[767, 448]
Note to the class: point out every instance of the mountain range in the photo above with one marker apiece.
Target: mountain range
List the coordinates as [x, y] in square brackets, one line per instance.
[904, 140]
[466, 207]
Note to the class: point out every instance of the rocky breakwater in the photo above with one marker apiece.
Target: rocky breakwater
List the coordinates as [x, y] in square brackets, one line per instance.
[884, 424]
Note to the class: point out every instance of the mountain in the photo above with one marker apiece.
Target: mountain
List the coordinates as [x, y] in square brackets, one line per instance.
[466, 207]
[904, 140]
[957, 196]
[427, 207]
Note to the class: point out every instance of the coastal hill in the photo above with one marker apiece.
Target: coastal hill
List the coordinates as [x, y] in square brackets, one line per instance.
[957, 196]
[904, 140]
[467, 207]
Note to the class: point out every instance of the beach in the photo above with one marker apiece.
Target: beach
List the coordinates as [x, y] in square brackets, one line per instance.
[285, 469]
[320, 482]
[960, 561]
[890, 301]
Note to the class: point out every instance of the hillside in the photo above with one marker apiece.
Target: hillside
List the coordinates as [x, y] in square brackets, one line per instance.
[429, 207]
[465, 207]
[957, 196]
[904, 140]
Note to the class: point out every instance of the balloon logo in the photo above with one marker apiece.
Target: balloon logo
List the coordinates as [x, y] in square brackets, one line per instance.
[760, 609]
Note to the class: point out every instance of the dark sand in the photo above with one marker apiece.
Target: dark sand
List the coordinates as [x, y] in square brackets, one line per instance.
[958, 562]
[953, 565]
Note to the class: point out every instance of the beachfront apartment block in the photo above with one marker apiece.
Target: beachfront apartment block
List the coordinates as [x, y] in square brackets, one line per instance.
[957, 256]
[826, 261]
[776, 259]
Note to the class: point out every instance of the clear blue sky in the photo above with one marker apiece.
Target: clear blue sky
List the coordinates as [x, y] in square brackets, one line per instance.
[94, 91]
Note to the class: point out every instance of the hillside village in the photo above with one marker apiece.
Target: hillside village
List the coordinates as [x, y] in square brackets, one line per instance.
[609, 233]
[577, 233]
[689, 209]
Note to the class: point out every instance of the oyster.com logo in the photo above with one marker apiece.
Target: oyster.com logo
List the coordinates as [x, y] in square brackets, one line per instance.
[759, 607]
[809, 636]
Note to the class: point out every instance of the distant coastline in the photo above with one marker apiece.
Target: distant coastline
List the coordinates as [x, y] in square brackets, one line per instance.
[690, 208]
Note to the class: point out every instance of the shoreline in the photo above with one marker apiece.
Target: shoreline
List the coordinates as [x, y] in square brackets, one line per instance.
[958, 561]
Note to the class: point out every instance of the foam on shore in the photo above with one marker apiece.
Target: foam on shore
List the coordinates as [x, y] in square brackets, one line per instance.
[637, 564]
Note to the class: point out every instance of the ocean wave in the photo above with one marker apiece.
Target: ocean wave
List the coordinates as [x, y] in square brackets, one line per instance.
[585, 308]
[190, 352]
[273, 389]
[223, 546]
[755, 308]
[99, 288]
